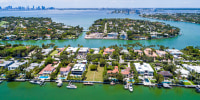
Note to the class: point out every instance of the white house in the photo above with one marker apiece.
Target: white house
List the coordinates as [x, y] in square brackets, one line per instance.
[184, 73]
[83, 50]
[81, 62]
[144, 69]
[174, 52]
[5, 64]
[96, 50]
[192, 68]
[46, 51]
[72, 49]
[78, 69]
[33, 65]
[16, 64]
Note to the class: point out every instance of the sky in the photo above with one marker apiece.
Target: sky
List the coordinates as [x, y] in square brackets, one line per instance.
[104, 3]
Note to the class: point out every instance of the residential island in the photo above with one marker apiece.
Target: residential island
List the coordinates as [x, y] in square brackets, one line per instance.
[183, 17]
[33, 28]
[130, 29]
[114, 64]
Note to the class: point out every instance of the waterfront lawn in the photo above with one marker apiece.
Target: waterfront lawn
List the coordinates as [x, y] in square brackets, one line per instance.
[186, 83]
[2, 23]
[54, 52]
[95, 75]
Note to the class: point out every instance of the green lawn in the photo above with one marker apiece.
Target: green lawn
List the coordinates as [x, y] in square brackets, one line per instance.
[95, 75]
[186, 83]
[2, 22]
[54, 52]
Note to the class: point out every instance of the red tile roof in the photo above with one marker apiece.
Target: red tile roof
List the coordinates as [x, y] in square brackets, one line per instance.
[113, 71]
[65, 69]
[49, 67]
[126, 71]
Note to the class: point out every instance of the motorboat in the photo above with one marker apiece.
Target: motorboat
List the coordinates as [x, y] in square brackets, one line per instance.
[88, 83]
[35, 82]
[1, 82]
[126, 86]
[112, 83]
[165, 85]
[198, 88]
[59, 83]
[71, 86]
[130, 88]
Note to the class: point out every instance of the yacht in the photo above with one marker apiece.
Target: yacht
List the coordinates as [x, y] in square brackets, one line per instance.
[59, 83]
[125, 86]
[198, 88]
[130, 88]
[71, 86]
[35, 82]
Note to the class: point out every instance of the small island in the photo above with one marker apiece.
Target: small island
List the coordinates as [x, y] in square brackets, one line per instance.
[130, 29]
[33, 28]
[183, 17]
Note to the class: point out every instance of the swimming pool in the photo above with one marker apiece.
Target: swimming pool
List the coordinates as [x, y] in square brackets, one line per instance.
[44, 77]
[62, 78]
[184, 80]
[146, 80]
[131, 80]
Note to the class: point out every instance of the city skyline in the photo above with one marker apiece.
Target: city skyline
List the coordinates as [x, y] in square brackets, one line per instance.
[103, 3]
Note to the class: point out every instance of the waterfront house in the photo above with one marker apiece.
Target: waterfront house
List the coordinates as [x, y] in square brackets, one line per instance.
[5, 64]
[192, 68]
[72, 50]
[78, 69]
[47, 70]
[108, 51]
[148, 52]
[144, 69]
[113, 72]
[161, 53]
[33, 65]
[174, 52]
[126, 72]
[46, 51]
[184, 73]
[83, 51]
[48, 37]
[65, 71]
[140, 52]
[96, 50]
[124, 51]
[165, 74]
[16, 64]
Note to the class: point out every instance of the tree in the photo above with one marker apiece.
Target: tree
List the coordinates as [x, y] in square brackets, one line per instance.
[93, 67]
[120, 77]
[159, 78]
[102, 62]
[49, 60]
[12, 74]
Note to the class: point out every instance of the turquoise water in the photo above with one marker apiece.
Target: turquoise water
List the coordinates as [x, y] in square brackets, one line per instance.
[27, 91]
[131, 80]
[62, 78]
[190, 31]
[184, 80]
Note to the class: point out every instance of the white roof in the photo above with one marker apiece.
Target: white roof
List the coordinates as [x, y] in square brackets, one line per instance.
[17, 64]
[73, 49]
[182, 70]
[192, 68]
[78, 67]
[83, 49]
[4, 63]
[143, 68]
[46, 51]
[174, 51]
[96, 50]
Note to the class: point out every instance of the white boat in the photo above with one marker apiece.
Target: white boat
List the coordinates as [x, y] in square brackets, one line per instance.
[198, 88]
[1, 82]
[130, 88]
[35, 82]
[59, 83]
[165, 85]
[71, 86]
[126, 86]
